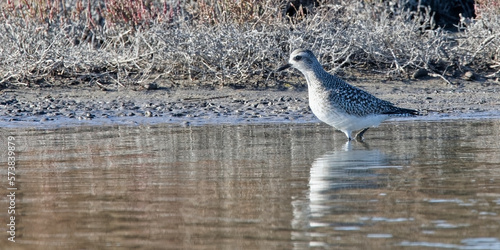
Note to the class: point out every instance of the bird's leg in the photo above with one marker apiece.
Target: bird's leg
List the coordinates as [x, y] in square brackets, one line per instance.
[348, 134]
[359, 136]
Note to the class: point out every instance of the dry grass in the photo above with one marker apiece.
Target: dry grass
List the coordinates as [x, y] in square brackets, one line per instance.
[125, 42]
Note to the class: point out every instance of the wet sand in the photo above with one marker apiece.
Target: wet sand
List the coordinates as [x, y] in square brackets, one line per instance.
[65, 105]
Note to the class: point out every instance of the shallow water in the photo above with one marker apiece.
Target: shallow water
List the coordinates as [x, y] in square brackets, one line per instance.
[281, 186]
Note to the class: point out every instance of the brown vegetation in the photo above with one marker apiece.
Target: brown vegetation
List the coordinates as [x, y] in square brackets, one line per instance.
[127, 42]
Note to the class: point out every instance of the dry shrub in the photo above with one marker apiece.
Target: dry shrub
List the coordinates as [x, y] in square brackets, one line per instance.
[478, 45]
[230, 11]
[210, 42]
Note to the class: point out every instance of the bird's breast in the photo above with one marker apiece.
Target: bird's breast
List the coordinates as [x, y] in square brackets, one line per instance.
[322, 106]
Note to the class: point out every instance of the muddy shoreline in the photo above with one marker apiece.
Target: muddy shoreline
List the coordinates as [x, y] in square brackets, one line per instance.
[80, 105]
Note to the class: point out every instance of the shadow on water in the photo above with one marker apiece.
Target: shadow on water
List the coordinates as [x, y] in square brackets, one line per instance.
[432, 184]
[341, 170]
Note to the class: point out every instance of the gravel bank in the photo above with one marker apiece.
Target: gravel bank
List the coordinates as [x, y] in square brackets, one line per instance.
[75, 105]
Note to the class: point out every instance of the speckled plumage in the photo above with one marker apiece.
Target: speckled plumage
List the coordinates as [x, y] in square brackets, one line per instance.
[339, 104]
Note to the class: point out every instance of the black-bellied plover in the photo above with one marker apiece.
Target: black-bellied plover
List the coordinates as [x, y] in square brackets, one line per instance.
[339, 104]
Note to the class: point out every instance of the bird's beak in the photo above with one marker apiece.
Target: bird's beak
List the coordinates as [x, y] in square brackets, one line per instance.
[286, 66]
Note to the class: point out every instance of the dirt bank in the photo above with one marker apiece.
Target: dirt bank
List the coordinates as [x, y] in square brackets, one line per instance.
[65, 105]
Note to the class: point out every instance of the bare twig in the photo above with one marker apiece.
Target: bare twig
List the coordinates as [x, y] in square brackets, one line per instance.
[440, 76]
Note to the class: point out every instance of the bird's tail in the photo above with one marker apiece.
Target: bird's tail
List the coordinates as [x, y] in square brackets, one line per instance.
[403, 112]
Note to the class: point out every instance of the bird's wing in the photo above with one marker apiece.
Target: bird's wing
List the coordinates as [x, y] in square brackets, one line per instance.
[355, 101]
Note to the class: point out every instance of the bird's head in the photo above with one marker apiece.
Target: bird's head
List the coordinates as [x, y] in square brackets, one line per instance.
[303, 60]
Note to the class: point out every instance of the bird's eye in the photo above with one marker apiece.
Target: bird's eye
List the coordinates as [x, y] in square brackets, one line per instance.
[297, 58]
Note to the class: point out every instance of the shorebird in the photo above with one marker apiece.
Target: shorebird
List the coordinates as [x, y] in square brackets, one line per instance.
[339, 104]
